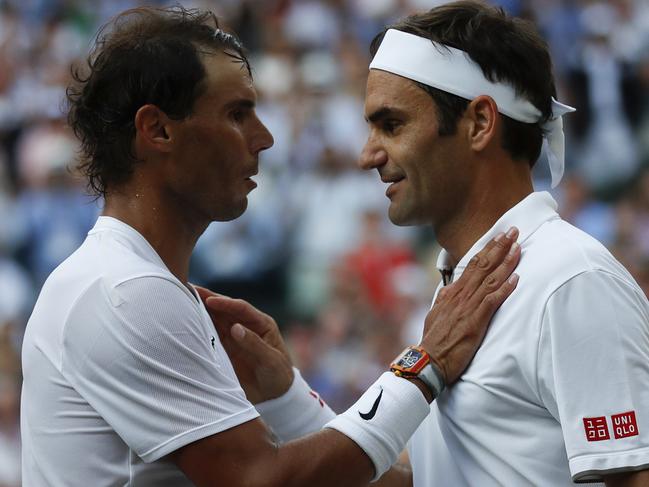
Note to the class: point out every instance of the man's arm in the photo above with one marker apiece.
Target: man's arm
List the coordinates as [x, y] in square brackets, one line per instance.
[400, 475]
[263, 364]
[634, 479]
[246, 455]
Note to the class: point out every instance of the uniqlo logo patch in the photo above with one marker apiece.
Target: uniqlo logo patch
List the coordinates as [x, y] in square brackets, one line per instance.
[596, 429]
[624, 425]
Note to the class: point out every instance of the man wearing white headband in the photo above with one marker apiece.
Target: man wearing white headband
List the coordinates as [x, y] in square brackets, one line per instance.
[125, 379]
[460, 101]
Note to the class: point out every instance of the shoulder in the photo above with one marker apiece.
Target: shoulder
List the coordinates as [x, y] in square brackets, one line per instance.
[558, 252]
[110, 289]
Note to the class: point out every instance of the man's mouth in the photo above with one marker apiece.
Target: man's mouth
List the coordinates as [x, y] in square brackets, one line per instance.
[251, 182]
[393, 184]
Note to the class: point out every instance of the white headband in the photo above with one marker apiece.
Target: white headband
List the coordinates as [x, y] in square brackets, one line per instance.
[452, 70]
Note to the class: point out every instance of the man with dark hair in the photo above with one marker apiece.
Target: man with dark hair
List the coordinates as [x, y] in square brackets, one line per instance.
[125, 382]
[459, 100]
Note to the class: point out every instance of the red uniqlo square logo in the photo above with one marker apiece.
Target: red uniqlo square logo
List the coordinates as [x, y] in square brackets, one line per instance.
[624, 425]
[596, 429]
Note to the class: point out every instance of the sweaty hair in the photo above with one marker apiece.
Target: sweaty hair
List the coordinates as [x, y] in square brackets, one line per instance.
[507, 49]
[143, 56]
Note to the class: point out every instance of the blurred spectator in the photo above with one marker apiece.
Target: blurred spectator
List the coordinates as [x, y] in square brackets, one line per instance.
[315, 243]
[632, 243]
[52, 206]
[577, 206]
[374, 262]
[607, 93]
[9, 410]
[330, 201]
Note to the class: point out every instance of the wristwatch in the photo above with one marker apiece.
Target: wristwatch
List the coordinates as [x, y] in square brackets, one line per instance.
[415, 362]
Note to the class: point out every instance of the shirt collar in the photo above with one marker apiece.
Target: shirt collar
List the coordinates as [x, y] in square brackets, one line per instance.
[140, 244]
[528, 215]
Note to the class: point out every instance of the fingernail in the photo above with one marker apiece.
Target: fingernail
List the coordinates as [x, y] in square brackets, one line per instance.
[499, 237]
[513, 279]
[511, 232]
[514, 248]
[238, 331]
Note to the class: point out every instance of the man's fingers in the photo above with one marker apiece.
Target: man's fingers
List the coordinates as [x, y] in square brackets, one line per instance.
[255, 347]
[485, 261]
[223, 325]
[493, 281]
[237, 307]
[504, 270]
[205, 293]
[493, 300]
[238, 310]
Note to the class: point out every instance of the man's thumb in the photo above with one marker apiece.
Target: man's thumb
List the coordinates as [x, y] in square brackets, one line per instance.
[238, 332]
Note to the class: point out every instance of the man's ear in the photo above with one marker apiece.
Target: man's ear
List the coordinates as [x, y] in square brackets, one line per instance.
[152, 128]
[484, 122]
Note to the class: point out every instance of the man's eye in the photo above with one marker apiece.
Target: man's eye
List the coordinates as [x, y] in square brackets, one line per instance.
[389, 126]
[237, 115]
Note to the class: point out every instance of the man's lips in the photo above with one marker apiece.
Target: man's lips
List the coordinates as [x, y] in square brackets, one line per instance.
[393, 184]
[250, 181]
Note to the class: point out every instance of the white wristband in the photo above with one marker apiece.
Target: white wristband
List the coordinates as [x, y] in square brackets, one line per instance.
[384, 419]
[296, 413]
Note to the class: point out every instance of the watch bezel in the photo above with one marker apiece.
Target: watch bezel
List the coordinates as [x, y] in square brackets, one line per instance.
[416, 368]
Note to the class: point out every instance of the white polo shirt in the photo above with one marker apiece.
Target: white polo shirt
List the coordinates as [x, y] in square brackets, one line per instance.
[559, 390]
[122, 366]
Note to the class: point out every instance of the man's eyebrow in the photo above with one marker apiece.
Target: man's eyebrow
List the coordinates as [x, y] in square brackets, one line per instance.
[241, 103]
[381, 113]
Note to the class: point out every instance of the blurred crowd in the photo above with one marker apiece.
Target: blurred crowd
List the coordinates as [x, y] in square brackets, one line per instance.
[315, 248]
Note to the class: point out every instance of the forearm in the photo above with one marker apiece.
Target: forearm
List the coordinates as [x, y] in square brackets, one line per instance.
[301, 412]
[324, 459]
[354, 448]
[400, 475]
[379, 424]
[628, 479]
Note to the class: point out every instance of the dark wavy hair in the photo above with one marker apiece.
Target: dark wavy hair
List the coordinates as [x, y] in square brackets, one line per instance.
[507, 49]
[143, 56]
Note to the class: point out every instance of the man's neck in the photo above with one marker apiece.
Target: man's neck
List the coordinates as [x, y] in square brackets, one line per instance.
[169, 231]
[479, 213]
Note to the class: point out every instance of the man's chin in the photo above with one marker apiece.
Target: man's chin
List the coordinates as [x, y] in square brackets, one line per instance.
[231, 213]
[401, 218]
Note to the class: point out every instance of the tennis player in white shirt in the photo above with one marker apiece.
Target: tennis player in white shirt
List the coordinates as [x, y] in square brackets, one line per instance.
[125, 379]
[459, 102]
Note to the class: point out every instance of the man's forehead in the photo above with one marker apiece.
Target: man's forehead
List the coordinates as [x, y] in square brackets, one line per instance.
[222, 65]
[226, 74]
[390, 90]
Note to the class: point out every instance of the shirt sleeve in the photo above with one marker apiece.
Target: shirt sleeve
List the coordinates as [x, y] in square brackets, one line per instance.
[144, 358]
[594, 373]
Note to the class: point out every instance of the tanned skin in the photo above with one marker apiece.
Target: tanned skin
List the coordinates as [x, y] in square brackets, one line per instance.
[197, 170]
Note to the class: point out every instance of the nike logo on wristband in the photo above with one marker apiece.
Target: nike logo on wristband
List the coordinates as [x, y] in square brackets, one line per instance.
[370, 414]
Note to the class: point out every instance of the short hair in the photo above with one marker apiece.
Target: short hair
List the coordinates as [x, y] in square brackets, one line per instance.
[507, 49]
[143, 56]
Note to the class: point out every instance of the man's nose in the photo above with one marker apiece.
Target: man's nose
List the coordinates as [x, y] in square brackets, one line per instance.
[372, 156]
[263, 140]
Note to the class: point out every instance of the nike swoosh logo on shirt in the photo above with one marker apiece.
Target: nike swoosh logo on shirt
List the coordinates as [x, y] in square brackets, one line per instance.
[370, 414]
